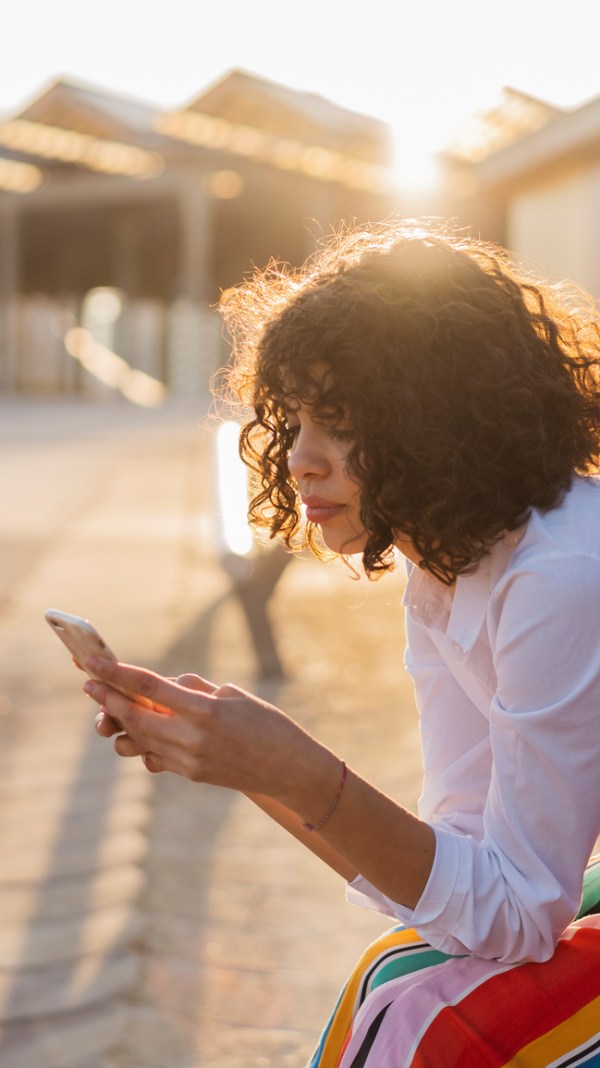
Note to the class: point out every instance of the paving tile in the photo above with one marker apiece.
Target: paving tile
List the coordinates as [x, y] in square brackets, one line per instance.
[28, 804]
[75, 824]
[33, 992]
[259, 996]
[70, 858]
[159, 1038]
[68, 896]
[254, 1047]
[45, 941]
[79, 1039]
[153, 1042]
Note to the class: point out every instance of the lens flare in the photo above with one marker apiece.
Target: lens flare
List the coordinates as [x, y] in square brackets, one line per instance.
[233, 491]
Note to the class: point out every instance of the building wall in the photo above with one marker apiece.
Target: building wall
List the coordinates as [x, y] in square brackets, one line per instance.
[166, 251]
[555, 226]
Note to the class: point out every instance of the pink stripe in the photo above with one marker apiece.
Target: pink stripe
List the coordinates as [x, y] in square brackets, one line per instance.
[424, 995]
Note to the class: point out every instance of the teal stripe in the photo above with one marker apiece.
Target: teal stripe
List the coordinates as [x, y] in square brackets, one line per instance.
[591, 888]
[405, 964]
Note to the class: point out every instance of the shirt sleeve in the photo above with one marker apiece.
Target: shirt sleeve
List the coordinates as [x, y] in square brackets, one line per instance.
[509, 891]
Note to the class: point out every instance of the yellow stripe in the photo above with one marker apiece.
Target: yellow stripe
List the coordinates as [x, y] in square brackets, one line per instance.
[561, 1040]
[344, 1013]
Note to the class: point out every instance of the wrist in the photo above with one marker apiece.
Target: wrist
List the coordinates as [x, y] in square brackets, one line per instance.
[332, 807]
[315, 788]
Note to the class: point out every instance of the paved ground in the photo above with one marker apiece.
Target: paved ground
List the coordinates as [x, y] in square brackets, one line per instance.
[146, 922]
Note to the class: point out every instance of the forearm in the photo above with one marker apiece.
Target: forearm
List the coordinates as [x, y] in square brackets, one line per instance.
[386, 844]
[367, 833]
[291, 822]
[230, 738]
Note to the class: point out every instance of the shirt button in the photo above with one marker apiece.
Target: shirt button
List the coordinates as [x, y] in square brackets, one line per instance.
[456, 645]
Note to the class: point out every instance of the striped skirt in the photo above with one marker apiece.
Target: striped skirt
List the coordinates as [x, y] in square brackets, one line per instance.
[407, 1005]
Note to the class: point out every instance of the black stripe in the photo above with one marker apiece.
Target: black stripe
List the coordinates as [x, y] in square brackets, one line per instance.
[367, 1043]
[361, 1057]
[411, 947]
[578, 1057]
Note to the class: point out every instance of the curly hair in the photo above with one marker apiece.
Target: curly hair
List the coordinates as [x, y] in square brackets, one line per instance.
[472, 388]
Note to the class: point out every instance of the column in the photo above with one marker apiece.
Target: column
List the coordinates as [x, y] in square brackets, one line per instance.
[193, 329]
[9, 284]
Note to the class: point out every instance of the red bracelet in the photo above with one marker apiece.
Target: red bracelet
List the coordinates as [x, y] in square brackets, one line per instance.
[333, 806]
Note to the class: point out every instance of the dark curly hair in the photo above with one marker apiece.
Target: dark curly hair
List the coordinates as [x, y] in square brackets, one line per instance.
[472, 389]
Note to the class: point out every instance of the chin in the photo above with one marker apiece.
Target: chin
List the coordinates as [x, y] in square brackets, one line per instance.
[345, 546]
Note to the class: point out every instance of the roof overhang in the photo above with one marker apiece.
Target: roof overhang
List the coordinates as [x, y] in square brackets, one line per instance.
[572, 135]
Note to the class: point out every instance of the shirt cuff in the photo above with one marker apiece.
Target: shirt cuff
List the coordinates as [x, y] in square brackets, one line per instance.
[437, 897]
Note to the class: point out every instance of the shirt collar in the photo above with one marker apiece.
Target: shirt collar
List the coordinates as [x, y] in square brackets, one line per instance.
[457, 611]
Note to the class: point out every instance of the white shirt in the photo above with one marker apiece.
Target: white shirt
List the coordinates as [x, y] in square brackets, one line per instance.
[506, 669]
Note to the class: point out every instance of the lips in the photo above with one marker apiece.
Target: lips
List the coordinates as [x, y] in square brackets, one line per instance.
[320, 510]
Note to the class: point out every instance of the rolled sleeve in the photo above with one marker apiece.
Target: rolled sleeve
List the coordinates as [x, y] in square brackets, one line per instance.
[439, 898]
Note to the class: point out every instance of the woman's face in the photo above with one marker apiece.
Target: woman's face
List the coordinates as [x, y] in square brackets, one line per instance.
[318, 463]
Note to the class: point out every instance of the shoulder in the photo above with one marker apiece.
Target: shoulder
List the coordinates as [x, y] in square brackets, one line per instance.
[550, 576]
[556, 545]
[574, 524]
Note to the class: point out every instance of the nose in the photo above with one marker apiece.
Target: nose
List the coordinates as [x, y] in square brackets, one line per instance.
[307, 459]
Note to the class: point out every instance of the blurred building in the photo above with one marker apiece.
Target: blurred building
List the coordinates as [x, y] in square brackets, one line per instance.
[120, 223]
[527, 175]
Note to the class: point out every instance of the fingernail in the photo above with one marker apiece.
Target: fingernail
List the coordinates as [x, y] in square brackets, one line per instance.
[91, 688]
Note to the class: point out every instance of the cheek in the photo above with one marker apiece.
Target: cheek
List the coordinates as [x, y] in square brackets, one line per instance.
[354, 493]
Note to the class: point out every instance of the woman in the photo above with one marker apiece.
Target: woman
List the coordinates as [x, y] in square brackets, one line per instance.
[414, 390]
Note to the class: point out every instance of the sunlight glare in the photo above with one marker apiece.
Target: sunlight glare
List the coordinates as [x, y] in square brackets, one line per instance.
[112, 370]
[415, 164]
[233, 491]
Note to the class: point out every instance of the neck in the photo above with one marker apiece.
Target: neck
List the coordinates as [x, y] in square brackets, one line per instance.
[406, 547]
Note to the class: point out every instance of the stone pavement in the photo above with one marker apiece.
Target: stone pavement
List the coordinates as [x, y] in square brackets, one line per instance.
[146, 922]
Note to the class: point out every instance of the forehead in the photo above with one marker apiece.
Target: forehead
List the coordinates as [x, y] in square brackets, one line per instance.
[306, 386]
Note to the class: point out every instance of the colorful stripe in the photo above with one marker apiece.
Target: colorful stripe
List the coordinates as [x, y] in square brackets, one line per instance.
[408, 1005]
[590, 899]
[563, 1044]
[399, 952]
[510, 1011]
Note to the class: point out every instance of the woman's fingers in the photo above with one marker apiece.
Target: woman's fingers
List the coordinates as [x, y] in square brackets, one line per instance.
[138, 721]
[219, 735]
[152, 763]
[172, 730]
[195, 682]
[106, 726]
[127, 747]
[163, 694]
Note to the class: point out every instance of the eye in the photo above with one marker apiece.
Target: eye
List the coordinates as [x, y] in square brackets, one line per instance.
[339, 434]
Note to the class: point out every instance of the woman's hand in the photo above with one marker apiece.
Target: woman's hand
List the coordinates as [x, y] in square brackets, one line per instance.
[225, 736]
[106, 727]
[219, 735]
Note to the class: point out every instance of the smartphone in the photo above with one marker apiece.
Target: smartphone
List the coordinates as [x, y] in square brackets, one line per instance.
[83, 640]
